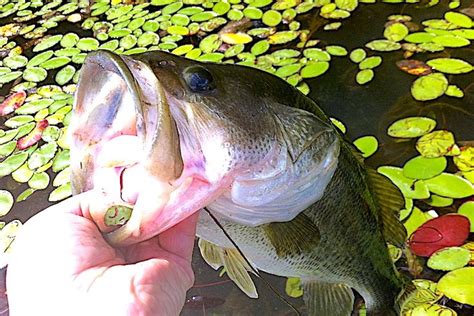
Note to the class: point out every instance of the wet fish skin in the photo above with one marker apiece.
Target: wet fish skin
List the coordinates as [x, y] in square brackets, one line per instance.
[226, 132]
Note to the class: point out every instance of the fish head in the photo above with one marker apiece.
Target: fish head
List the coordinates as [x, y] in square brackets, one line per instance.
[194, 134]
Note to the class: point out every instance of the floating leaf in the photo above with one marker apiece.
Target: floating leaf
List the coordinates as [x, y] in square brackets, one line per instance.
[367, 145]
[439, 201]
[47, 42]
[55, 62]
[420, 37]
[454, 91]
[87, 44]
[357, 55]
[65, 75]
[60, 193]
[317, 54]
[450, 65]
[435, 144]
[69, 40]
[451, 41]
[314, 69]
[271, 18]
[336, 50]
[235, 38]
[424, 168]
[450, 230]
[409, 187]
[42, 155]
[450, 185]
[465, 160]
[467, 209]
[8, 77]
[459, 19]
[12, 163]
[14, 62]
[414, 67]
[457, 285]
[395, 32]
[383, 45]
[370, 62]
[12, 102]
[22, 174]
[448, 259]
[411, 127]
[430, 309]
[7, 148]
[282, 37]
[364, 76]
[39, 181]
[35, 74]
[6, 202]
[429, 87]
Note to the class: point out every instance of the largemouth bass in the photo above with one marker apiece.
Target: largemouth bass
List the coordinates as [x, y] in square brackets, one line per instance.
[263, 158]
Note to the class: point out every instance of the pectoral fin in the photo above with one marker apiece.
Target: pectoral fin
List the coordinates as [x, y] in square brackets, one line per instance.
[300, 235]
[234, 264]
[327, 298]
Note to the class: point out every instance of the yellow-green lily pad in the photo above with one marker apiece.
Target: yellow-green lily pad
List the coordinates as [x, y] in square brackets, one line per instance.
[450, 185]
[429, 309]
[409, 187]
[416, 219]
[357, 55]
[314, 69]
[383, 45]
[458, 285]
[39, 181]
[368, 145]
[429, 87]
[370, 62]
[6, 202]
[467, 209]
[451, 41]
[395, 32]
[411, 127]
[439, 201]
[450, 65]
[448, 259]
[424, 168]
[364, 76]
[60, 193]
[459, 19]
[435, 144]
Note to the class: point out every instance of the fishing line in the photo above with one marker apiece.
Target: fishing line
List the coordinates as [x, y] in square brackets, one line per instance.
[267, 284]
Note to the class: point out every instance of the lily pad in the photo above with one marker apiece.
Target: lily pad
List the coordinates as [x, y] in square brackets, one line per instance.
[60, 193]
[450, 230]
[314, 69]
[429, 87]
[12, 163]
[420, 37]
[65, 75]
[395, 32]
[409, 187]
[371, 62]
[6, 202]
[411, 127]
[467, 209]
[383, 45]
[357, 55]
[293, 287]
[454, 91]
[35, 74]
[424, 168]
[47, 42]
[55, 62]
[367, 145]
[42, 155]
[39, 181]
[465, 160]
[459, 19]
[450, 65]
[15, 62]
[457, 285]
[87, 44]
[336, 50]
[435, 144]
[450, 185]
[449, 259]
[416, 219]
[451, 41]
[439, 201]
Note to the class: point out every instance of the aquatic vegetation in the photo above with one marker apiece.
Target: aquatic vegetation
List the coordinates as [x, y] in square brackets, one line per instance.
[41, 63]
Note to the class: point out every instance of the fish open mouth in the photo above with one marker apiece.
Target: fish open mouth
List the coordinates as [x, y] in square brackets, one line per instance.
[122, 125]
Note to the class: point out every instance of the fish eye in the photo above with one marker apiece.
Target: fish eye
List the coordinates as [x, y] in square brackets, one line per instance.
[199, 79]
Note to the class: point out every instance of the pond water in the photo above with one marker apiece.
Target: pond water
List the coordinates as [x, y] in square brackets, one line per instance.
[364, 109]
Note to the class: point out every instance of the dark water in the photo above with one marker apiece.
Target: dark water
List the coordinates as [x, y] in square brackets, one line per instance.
[365, 110]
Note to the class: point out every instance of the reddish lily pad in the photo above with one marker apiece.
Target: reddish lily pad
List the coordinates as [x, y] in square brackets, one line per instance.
[414, 67]
[449, 230]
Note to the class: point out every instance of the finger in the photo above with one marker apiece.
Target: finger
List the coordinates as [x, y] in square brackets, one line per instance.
[179, 239]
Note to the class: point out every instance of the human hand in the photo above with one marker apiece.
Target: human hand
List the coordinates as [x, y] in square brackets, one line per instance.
[61, 265]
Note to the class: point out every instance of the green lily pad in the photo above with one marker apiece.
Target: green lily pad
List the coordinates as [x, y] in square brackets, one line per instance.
[465, 160]
[357, 55]
[368, 145]
[314, 69]
[293, 287]
[348, 5]
[18, 120]
[383, 45]
[316, 54]
[395, 32]
[439, 201]
[87, 44]
[451, 41]
[8, 77]
[60, 193]
[39, 181]
[42, 155]
[260, 47]
[420, 37]
[12, 163]
[271, 18]
[336, 50]
[7, 148]
[65, 75]
[370, 63]
[448, 259]
[15, 62]
[429, 87]
[288, 70]
[459, 19]
[34, 106]
[55, 62]
[457, 285]
[430, 309]
[40, 58]
[22, 174]
[467, 209]
[411, 127]
[435, 144]
[454, 91]
[282, 37]
[424, 168]
[416, 219]
[409, 187]
[35, 74]
[450, 185]
[47, 42]
[6, 202]
[62, 177]
[450, 65]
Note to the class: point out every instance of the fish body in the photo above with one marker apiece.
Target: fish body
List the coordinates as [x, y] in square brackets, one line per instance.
[262, 157]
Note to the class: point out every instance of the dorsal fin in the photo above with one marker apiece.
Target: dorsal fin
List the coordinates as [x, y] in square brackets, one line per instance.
[389, 201]
[300, 235]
